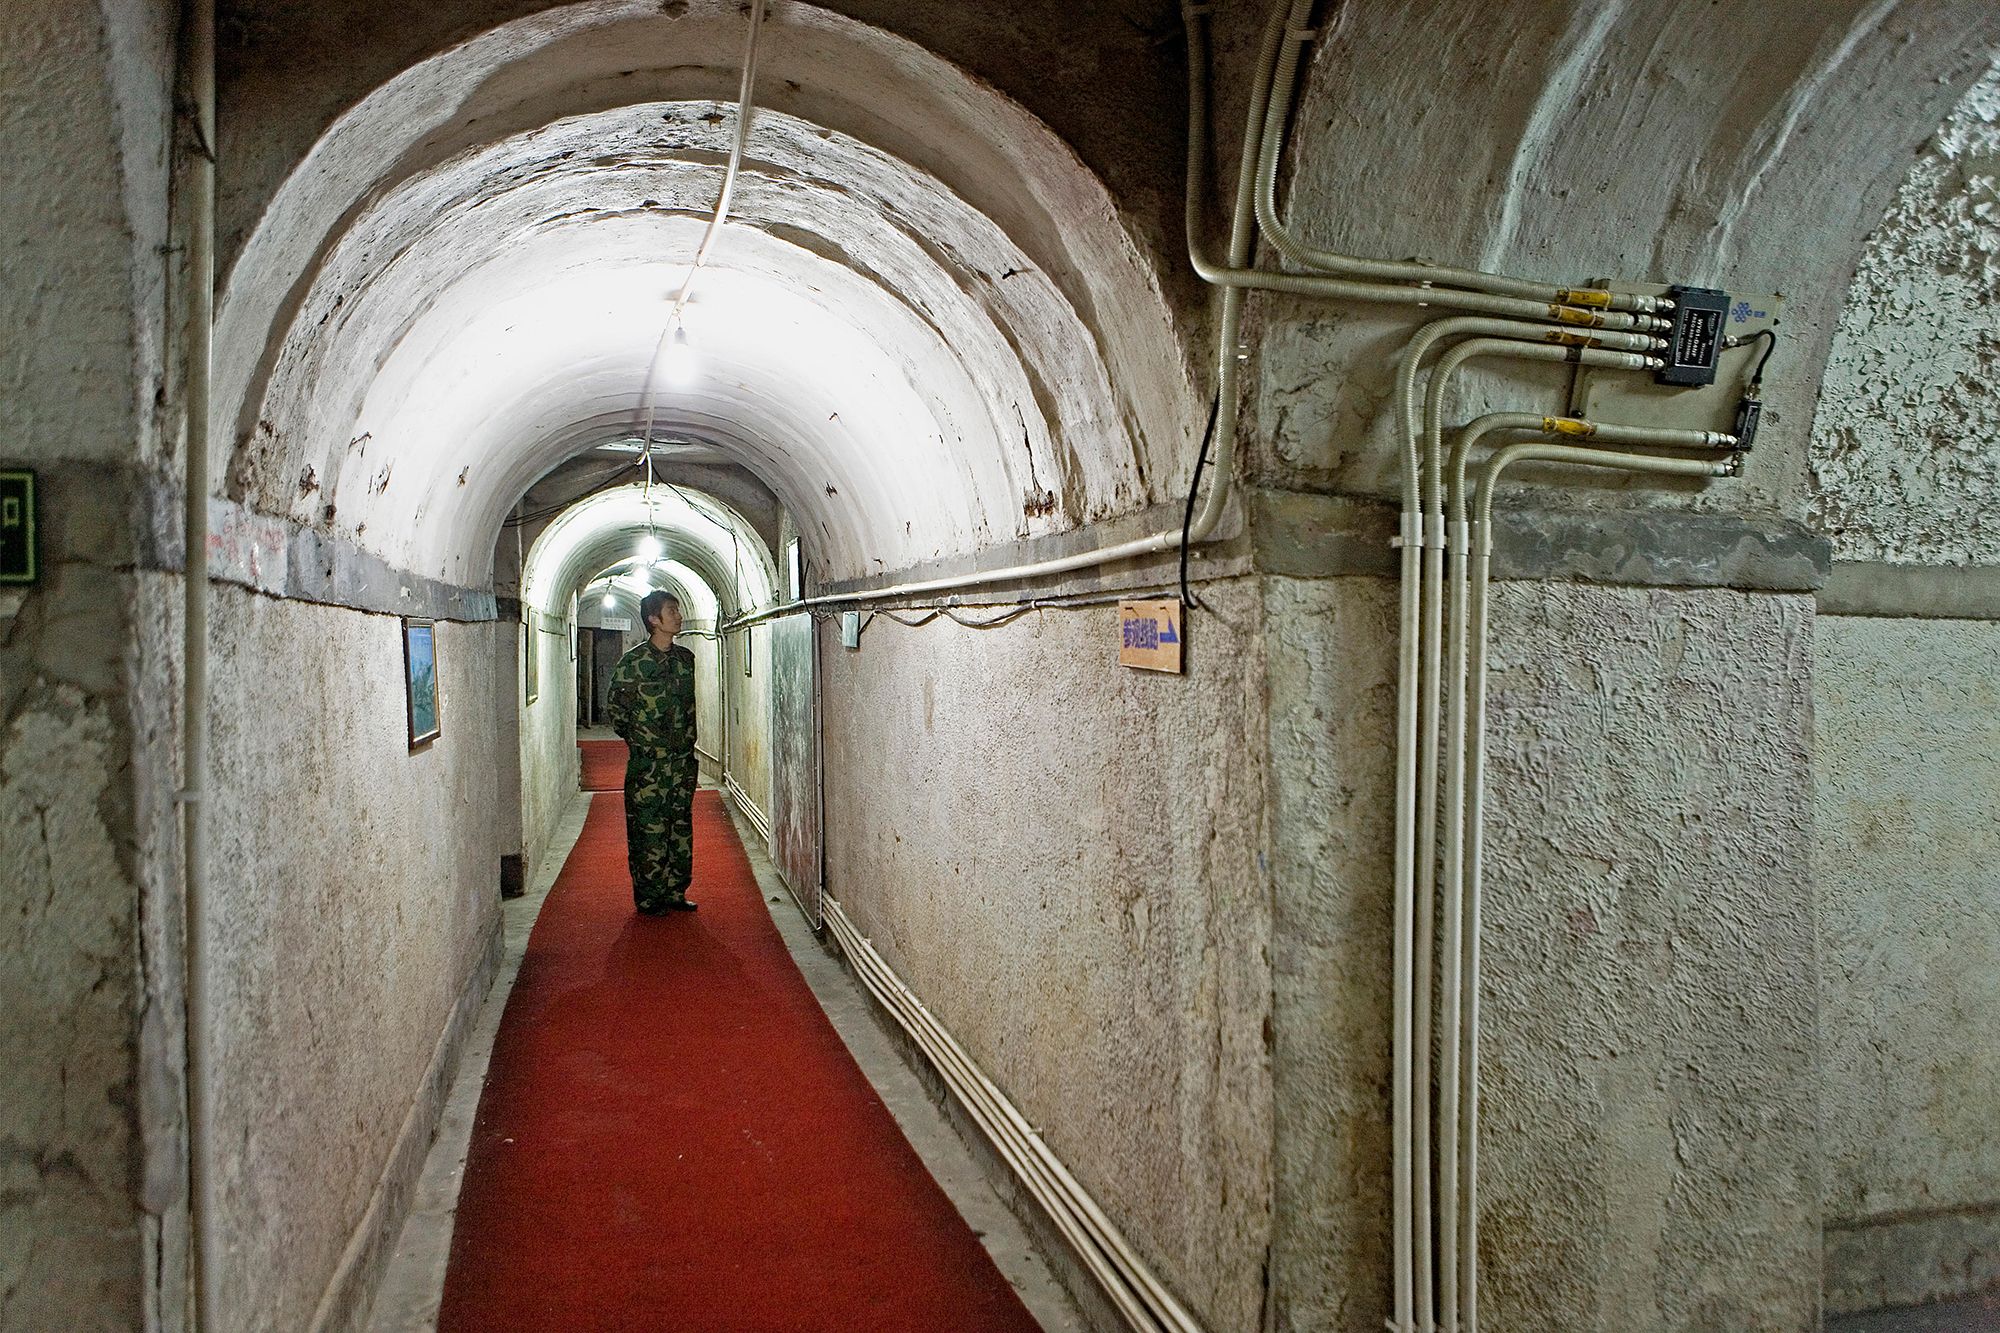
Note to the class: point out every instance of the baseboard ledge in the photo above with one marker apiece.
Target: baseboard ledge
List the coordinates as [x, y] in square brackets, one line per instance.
[1910, 1259]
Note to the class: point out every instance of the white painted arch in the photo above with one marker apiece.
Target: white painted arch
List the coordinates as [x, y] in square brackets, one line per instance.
[927, 330]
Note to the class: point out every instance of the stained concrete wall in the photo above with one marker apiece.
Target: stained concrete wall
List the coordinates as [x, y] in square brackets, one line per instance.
[1648, 1146]
[549, 761]
[1064, 858]
[1907, 774]
[92, 1211]
[1905, 481]
[355, 890]
[748, 704]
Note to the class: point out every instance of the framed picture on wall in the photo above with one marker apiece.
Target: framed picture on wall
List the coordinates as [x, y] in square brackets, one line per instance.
[531, 643]
[420, 684]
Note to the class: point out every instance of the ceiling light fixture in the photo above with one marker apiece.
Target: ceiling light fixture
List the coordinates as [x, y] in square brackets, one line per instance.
[679, 366]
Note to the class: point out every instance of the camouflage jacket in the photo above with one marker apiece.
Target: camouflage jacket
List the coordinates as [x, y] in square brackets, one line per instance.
[652, 699]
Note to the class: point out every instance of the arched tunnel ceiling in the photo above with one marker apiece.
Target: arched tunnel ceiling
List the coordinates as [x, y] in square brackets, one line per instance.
[917, 363]
[716, 545]
[628, 582]
[927, 213]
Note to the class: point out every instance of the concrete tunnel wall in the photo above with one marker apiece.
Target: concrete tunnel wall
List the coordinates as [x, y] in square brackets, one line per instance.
[92, 1222]
[1651, 1149]
[1292, 1136]
[1906, 710]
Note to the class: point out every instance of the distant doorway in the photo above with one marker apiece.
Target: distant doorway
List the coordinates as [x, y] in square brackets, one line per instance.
[597, 656]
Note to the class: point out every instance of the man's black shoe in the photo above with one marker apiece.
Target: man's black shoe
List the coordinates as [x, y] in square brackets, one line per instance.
[682, 905]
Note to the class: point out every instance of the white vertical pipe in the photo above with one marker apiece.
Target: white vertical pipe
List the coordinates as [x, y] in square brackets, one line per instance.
[1482, 538]
[1404, 898]
[198, 180]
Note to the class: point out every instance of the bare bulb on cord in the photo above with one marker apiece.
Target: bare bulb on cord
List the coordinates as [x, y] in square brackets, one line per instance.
[679, 366]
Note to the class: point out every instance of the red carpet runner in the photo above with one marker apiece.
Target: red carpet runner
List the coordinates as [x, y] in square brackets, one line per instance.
[603, 765]
[672, 1137]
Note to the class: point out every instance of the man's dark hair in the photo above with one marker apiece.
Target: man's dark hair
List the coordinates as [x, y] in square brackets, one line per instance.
[655, 602]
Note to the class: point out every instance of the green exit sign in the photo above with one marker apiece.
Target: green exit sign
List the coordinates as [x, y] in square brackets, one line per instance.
[17, 527]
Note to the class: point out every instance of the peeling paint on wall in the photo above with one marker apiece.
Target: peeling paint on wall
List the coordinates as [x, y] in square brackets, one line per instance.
[69, 1240]
[1904, 463]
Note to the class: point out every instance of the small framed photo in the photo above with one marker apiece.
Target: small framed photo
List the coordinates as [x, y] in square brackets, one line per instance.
[420, 680]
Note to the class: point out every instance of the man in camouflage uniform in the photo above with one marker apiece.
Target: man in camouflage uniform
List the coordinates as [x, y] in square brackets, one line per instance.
[652, 707]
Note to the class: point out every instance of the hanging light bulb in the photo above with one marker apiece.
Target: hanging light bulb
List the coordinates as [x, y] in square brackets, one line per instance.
[649, 548]
[609, 601]
[679, 366]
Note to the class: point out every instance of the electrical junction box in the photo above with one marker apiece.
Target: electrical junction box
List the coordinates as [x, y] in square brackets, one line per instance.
[850, 629]
[1695, 342]
[1638, 398]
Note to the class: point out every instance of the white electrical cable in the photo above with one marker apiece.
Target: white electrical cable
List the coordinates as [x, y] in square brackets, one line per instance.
[745, 110]
[198, 77]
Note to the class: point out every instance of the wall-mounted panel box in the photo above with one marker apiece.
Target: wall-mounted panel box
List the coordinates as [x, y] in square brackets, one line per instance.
[18, 541]
[850, 629]
[1639, 398]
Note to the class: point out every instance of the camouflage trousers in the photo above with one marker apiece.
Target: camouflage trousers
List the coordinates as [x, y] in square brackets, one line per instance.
[659, 826]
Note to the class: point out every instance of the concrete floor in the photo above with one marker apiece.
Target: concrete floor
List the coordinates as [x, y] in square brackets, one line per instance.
[413, 1287]
[1979, 1314]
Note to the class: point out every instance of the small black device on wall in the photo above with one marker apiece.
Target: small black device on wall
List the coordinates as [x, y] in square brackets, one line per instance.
[19, 558]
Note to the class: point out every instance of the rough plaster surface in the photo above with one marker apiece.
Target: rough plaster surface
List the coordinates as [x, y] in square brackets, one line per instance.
[1904, 461]
[69, 1228]
[549, 760]
[1061, 857]
[748, 706]
[1907, 796]
[355, 887]
[1649, 1144]
[1650, 140]
[91, 1227]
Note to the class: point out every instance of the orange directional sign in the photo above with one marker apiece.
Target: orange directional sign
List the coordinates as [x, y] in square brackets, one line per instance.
[1150, 635]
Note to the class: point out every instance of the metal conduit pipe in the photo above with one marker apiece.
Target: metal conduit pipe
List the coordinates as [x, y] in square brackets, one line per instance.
[1422, 539]
[1414, 878]
[1287, 26]
[1452, 895]
[745, 107]
[197, 77]
[1128, 1281]
[1430, 695]
[1472, 744]
[907, 1011]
